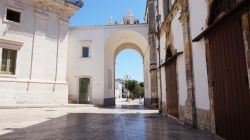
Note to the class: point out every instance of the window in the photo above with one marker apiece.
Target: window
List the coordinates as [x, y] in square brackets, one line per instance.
[168, 53]
[13, 15]
[86, 48]
[166, 7]
[8, 64]
[85, 52]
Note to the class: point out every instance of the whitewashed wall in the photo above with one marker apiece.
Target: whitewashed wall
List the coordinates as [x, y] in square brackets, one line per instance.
[93, 66]
[15, 88]
[163, 56]
[178, 44]
[107, 42]
[198, 19]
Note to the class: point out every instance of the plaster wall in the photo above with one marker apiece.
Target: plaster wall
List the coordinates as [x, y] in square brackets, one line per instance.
[79, 67]
[178, 44]
[163, 55]
[106, 43]
[198, 16]
[42, 86]
[161, 10]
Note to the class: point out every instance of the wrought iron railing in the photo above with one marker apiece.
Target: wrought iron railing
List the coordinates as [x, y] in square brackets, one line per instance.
[219, 6]
[78, 3]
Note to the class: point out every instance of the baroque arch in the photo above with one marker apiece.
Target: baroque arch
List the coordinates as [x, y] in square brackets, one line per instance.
[115, 43]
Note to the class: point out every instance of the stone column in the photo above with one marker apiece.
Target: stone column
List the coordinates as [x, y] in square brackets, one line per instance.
[153, 101]
[190, 107]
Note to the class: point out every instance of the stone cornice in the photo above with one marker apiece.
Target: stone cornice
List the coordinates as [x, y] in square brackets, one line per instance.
[124, 26]
[10, 42]
[40, 15]
[55, 6]
[64, 22]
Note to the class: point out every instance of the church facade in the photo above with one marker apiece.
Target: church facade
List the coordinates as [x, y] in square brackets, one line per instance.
[203, 63]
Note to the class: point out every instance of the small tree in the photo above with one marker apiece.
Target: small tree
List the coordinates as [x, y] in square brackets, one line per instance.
[141, 89]
[136, 89]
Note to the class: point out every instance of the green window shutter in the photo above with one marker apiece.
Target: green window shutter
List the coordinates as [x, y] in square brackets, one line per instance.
[8, 65]
[12, 59]
[4, 60]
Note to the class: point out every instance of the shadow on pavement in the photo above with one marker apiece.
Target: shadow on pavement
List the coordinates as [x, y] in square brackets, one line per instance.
[94, 126]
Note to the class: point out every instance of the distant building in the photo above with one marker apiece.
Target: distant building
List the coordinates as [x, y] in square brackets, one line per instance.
[130, 18]
[119, 88]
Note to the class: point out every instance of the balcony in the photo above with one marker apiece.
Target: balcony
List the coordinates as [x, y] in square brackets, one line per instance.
[221, 7]
[78, 3]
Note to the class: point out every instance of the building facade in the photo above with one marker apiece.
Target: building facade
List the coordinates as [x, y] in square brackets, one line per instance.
[33, 50]
[203, 65]
[103, 44]
[119, 88]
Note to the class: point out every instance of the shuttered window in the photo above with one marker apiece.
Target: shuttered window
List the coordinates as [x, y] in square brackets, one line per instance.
[8, 63]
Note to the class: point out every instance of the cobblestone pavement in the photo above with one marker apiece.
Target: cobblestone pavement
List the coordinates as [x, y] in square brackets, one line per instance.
[125, 122]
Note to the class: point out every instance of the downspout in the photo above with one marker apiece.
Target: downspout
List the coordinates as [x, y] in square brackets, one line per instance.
[57, 54]
[32, 52]
[159, 53]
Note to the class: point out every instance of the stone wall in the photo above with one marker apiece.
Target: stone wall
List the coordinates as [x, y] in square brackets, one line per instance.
[153, 56]
[246, 34]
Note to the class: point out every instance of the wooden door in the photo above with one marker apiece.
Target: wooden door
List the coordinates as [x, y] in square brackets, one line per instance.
[171, 87]
[231, 96]
[84, 90]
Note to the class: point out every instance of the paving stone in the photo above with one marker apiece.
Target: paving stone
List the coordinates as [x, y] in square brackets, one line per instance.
[92, 123]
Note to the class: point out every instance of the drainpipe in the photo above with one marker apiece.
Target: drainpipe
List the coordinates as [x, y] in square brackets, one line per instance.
[159, 52]
[57, 53]
[32, 52]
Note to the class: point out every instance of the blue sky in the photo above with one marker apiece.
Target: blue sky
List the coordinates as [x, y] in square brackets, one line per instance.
[129, 62]
[97, 12]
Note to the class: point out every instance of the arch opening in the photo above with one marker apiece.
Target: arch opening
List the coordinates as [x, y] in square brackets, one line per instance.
[129, 75]
[116, 43]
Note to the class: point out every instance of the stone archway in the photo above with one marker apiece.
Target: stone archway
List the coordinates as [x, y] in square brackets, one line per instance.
[115, 43]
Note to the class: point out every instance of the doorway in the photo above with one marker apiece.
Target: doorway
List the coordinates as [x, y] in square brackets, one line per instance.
[84, 91]
[171, 87]
[231, 96]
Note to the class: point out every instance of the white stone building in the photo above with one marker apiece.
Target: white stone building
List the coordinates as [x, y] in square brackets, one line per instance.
[118, 88]
[203, 63]
[33, 50]
[91, 58]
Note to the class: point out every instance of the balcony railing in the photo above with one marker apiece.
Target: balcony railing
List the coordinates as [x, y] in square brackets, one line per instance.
[78, 3]
[220, 6]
